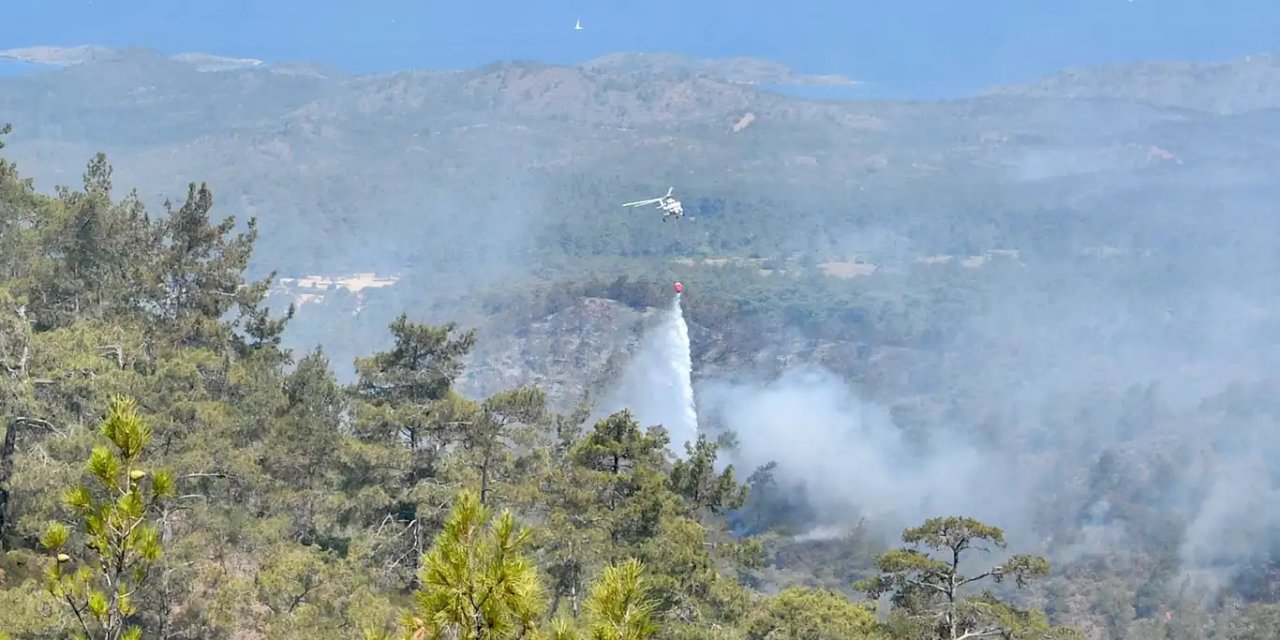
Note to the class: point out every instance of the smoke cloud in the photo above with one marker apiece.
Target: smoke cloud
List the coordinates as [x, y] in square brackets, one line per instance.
[1097, 417]
[846, 453]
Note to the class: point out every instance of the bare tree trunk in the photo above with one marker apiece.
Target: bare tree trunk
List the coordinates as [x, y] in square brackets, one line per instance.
[6, 469]
[484, 482]
[951, 594]
[573, 589]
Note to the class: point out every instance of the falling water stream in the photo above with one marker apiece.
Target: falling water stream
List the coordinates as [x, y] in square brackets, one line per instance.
[681, 359]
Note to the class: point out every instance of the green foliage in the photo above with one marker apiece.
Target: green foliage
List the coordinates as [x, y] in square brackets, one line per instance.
[401, 388]
[101, 585]
[623, 465]
[614, 499]
[290, 487]
[620, 607]
[695, 479]
[802, 613]
[419, 368]
[29, 611]
[929, 591]
[503, 423]
[302, 508]
[1020, 624]
[303, 437]
[476, 581]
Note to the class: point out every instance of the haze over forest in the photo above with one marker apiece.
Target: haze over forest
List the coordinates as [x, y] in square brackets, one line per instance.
[1050, 307]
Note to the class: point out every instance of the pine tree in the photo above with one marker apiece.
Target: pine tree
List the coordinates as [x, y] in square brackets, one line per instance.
[491, 438]
[808, 613]
[620, 607]
[928, 592]
[695, 479]
[100, 588]
[477, 583]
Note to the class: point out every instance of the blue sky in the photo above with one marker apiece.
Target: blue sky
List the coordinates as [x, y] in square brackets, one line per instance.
[905, 47]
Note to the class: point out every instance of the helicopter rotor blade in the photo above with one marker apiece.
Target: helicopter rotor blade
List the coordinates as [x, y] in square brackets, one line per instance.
[638, 203]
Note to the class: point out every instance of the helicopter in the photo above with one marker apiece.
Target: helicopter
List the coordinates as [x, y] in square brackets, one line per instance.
[667, 203]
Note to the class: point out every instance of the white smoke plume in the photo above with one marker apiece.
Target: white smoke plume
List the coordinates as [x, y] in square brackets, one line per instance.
[847, 454]
[1092, 426]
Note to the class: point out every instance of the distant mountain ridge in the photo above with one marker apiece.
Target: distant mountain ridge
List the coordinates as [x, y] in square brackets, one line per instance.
[1224, 87]
[425, 164]
[740, 70]
[1229, 87]
[472, 180]
[59, 56]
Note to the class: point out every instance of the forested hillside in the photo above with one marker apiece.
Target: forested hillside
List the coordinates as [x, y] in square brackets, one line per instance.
[1049, 309]
[489, 181]
[170, 471]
